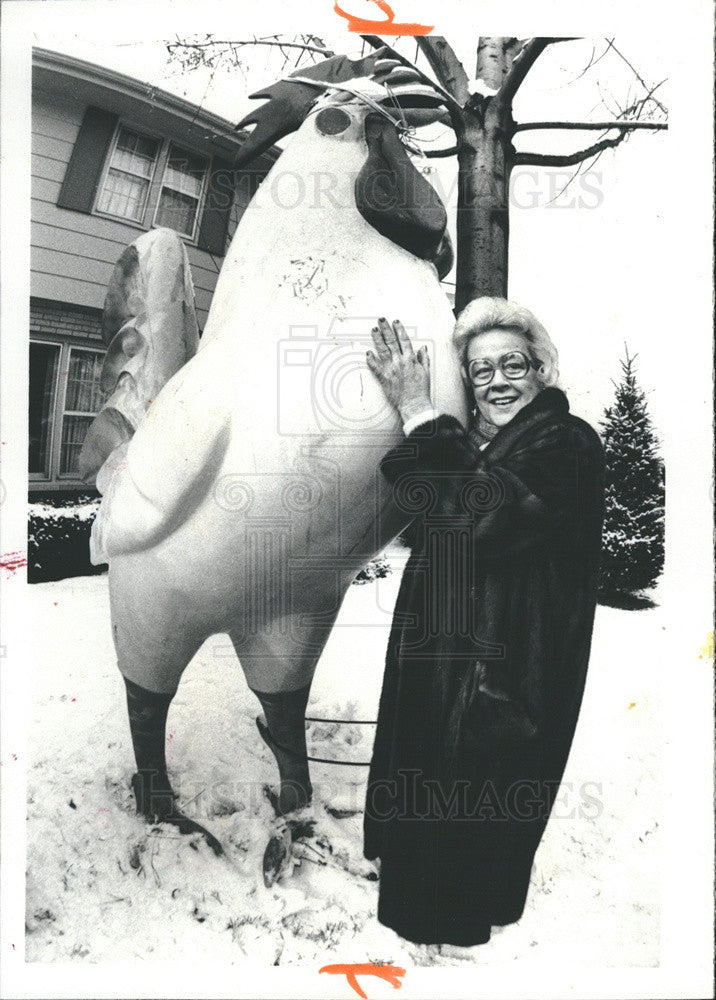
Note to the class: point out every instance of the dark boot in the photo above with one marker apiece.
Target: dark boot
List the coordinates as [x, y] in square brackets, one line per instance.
[151, 786]
[284, 732]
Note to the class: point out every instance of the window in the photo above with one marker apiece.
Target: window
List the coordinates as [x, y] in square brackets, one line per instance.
[130, 189]
[64, 394]
[83, 399]
[127, 182]
[44, 364]
[181, 191]
[118, 171]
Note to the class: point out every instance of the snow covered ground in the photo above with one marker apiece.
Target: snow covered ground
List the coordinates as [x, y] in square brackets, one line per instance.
[102, 886]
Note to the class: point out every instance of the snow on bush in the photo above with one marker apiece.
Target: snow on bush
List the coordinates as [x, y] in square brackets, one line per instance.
[58, 539]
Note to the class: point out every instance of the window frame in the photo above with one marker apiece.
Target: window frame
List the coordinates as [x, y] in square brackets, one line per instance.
[39, 477]
[63, 412]
[55, 477]
[156, 182]
[165, 157]
[122, 123]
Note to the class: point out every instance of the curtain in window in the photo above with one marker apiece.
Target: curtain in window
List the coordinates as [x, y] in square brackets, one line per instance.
[83, 399]
[83, 391]
[126, 186]
[123, 195]
[74, 430]
[181, 192]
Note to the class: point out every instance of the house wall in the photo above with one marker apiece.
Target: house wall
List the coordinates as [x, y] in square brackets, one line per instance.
[73, 253]
[62, 319]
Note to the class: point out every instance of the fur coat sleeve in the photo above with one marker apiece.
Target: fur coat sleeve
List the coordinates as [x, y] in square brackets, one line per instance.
[516, 500]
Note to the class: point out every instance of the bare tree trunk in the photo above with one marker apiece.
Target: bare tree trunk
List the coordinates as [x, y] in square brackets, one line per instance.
[482, 213]
[485, 161]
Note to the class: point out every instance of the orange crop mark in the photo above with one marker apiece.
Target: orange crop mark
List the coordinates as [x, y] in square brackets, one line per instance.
[632, 704]
[390, 973]
[387, 27]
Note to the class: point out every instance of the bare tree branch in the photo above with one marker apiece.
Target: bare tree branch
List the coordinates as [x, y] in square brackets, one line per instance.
[445, 65]
[591, 62]
[568, 159]
[629, 118]
[597, 126]
[571, 180]
[638, 106]
[515, 43]
[434, 153]
[522, 64]
[236, 43]
[613, 107]
[611, 45]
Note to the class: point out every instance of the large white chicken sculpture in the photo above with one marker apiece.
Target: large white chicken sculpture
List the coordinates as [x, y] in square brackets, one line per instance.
[249, 495]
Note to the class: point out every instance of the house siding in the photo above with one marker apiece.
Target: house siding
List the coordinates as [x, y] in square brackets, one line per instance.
[73, 253]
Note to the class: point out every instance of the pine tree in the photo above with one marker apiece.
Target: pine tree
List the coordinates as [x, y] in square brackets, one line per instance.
[633, 539]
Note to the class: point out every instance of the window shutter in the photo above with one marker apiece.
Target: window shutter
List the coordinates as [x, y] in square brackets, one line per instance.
[217, 207]
[85, 167]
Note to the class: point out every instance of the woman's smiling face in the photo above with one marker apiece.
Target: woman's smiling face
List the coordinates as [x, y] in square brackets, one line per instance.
[502, 398]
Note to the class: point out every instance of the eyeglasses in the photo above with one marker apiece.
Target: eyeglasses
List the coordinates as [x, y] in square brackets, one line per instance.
[513, 366]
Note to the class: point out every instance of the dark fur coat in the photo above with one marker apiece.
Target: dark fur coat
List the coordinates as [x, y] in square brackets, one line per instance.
[486, 665]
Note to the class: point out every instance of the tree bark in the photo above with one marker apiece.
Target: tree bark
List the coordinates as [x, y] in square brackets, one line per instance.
[485, 163]
[485, 160]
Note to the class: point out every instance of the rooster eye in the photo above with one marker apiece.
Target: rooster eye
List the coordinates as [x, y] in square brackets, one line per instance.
[332, 121]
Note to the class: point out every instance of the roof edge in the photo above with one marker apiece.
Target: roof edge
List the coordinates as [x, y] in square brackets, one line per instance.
[91, 72]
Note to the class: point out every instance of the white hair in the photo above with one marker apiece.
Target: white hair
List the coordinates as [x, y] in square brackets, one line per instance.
[487, 313]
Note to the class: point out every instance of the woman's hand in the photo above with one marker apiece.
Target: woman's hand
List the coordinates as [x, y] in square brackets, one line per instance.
[403, 374]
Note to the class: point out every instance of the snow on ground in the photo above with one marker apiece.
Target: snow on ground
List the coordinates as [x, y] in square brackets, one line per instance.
[102, 886]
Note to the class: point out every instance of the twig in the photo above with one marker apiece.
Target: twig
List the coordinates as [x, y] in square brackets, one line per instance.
[611, 45]
[251, 41]
[591, 62]
[188, 802]
[571, 179]
[522, 64]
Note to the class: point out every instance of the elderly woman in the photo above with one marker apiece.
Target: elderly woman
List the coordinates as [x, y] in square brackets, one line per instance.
[488, 651]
